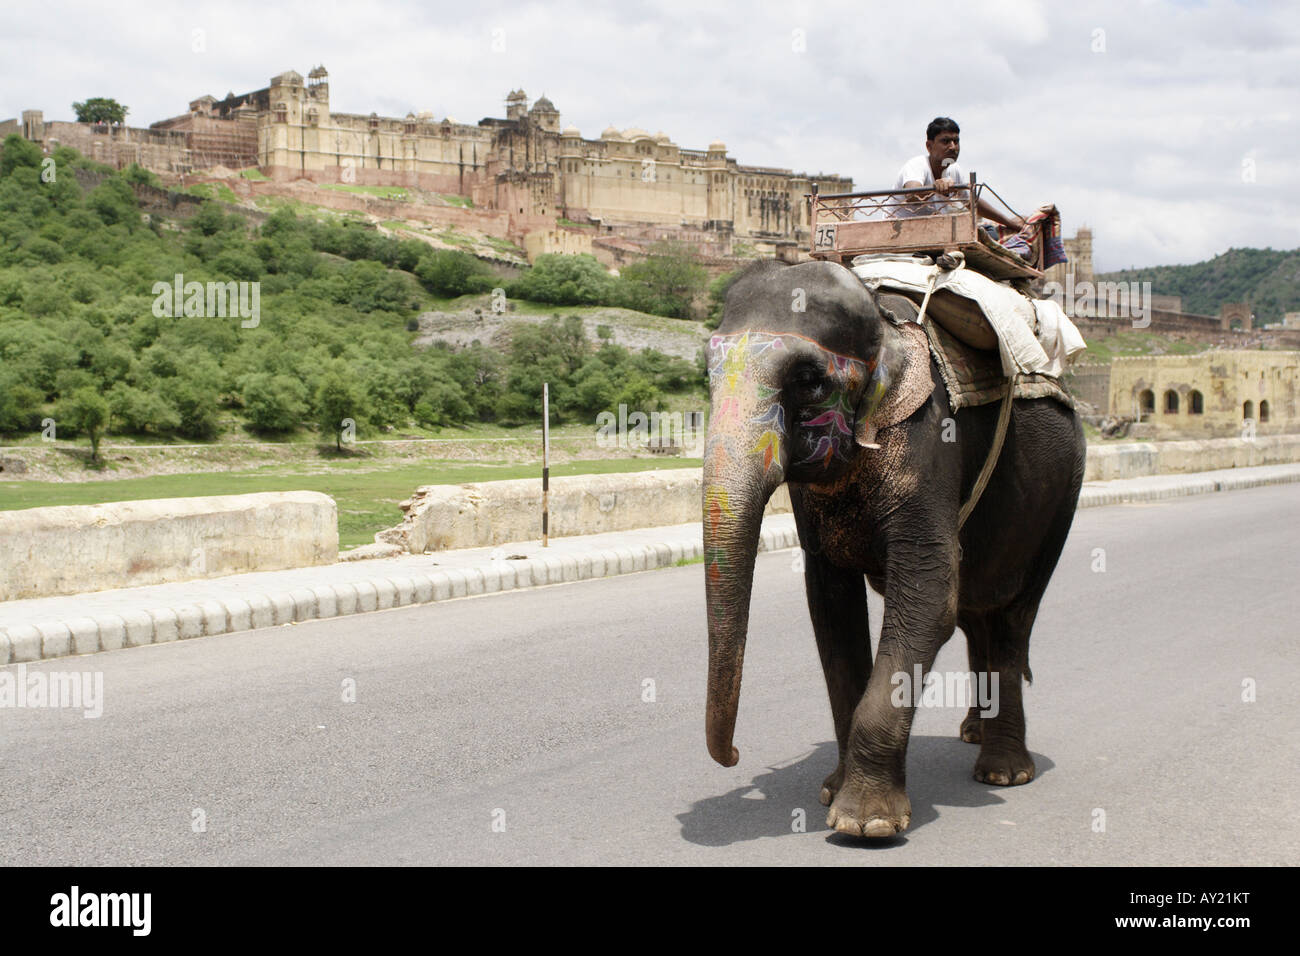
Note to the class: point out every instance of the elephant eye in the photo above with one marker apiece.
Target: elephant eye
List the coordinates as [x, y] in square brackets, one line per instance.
[806, 378]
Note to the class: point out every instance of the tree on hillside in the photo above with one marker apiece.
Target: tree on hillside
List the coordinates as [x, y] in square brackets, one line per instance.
[18, 152]
[670, 279]
[273, 403]
[452, 273]
[338, 398]
[718, 290]
[99, 109]
[85, 411]
[565, 280]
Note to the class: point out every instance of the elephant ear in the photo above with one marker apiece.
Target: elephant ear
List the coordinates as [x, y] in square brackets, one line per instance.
[898, 386]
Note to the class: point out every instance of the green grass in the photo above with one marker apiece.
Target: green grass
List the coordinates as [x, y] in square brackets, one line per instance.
[454, 238]
[463, 201]
[367, 497]
[321, 213]
[683, 562]
[627, 317]
[1136, 343]
[383, 192]
[576, 225]
[213, 191]
[502, 245]
[255, 174]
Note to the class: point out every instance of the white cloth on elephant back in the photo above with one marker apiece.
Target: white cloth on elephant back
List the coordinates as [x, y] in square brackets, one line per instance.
[1011, 315]
[1059, 336]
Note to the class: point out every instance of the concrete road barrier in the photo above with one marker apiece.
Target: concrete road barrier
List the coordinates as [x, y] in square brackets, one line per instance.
[69, 550]
[446, 517]
[1142, 459]
[450, 517]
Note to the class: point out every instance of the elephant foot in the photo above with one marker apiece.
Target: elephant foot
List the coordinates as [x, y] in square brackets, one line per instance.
[1004, 766]
[863, 810]
[972, 731]
[831, 785]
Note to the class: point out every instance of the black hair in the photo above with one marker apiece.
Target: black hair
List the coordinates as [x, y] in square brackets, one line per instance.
[941, 124]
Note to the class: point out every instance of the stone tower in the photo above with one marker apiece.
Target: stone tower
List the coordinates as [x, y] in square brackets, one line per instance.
[516, 105]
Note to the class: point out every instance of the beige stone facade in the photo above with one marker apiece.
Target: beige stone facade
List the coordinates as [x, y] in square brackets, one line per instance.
[526, 164]
[1211, 395]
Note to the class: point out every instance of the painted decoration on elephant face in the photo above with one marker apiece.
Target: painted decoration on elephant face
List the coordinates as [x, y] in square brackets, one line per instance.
[825, 430]
[827, 435]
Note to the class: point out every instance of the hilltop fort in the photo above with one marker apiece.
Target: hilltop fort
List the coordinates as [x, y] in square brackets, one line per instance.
[524, 164]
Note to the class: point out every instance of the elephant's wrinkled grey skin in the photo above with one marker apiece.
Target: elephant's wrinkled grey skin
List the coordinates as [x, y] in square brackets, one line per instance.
[793, 394]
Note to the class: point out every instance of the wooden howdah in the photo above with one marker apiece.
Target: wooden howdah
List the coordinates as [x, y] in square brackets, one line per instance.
[908, 221]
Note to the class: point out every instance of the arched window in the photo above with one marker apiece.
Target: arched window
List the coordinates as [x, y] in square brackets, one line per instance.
[1195, 403]
[1171, 402]
[1263, 410]
[313, 116]
[281, 113]
[1147, 402]
[1248, 409]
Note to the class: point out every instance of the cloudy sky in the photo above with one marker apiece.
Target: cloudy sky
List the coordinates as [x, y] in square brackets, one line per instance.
[1168, 127]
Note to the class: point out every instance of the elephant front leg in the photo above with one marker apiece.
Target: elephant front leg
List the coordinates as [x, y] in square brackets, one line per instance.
[837, 604]
[919, 618]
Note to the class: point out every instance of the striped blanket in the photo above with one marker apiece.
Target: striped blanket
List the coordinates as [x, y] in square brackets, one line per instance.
[1045, 223]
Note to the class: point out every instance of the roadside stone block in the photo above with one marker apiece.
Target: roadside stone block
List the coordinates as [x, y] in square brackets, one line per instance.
[112, 632]
[423, 589]
[385, 594]
[441, 585]
[139, 628]
[367, 597]
[215, 620]
[262, 611]
[473, 581]
[239, 613]
[85, 635]
[457, 578]
[304, 604]
[506, 575]
[523, 573]
[404, 591]
[345, 599]
[189, 622]
[491, 578]
[282, 608]
[326, 601]
[56, 640]
[4, 647]
[24, 644]
[165, 625]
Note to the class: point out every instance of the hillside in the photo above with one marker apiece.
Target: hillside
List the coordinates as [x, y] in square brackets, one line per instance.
[1268, 278]
[321, 326]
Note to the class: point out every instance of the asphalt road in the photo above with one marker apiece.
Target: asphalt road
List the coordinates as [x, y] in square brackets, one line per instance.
[514, 728]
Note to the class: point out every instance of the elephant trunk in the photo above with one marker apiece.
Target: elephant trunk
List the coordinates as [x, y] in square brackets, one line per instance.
[735, 494]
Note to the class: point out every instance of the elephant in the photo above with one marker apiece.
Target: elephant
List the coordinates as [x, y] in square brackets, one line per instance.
[809, 378]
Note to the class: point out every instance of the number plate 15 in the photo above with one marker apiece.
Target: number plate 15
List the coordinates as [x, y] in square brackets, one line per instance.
[825, 237]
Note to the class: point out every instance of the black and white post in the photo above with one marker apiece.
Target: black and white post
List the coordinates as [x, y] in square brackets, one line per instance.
[546, 460]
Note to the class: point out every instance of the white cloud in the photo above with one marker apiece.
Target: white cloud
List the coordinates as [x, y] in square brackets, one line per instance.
[1143, 141]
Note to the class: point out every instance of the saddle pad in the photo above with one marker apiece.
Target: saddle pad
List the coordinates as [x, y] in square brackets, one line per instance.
[975, 377]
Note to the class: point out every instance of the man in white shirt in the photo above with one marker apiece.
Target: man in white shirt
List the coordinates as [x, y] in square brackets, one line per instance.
[937, 168]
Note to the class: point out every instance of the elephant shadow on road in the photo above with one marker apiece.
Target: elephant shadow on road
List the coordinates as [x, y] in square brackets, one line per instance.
[938, 774]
